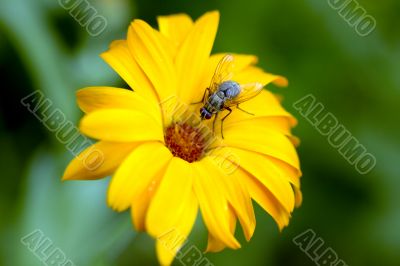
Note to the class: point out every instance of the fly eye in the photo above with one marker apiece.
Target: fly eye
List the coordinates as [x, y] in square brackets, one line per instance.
[205, 114]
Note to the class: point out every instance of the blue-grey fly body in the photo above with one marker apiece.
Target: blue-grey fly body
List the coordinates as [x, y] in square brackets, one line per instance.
[224, 93]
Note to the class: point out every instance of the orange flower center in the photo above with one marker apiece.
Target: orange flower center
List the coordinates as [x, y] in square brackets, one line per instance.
[185, 141]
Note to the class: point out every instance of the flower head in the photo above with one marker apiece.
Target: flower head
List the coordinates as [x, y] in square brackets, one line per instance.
[167, 163]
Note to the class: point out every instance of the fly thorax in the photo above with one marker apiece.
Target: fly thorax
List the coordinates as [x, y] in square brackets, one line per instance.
[230, 89]
[221, 94]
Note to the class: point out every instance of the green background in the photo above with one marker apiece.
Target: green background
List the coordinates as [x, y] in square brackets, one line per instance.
[357, 79]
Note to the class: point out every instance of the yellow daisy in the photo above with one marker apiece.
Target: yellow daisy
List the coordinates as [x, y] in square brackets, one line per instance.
[166, 165]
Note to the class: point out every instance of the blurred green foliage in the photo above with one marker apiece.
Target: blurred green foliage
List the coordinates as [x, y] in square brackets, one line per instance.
[357, 78]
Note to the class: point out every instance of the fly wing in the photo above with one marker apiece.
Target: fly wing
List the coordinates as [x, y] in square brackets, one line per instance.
[247, 92]
[223, 72]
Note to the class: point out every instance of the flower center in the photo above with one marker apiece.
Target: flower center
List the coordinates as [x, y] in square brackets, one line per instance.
[185, 141]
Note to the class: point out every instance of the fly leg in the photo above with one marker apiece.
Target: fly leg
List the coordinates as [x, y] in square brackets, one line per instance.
[237, 106]
[215, 119]
[222, 120]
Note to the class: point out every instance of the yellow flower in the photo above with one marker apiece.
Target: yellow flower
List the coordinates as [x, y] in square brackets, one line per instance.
[165, 161]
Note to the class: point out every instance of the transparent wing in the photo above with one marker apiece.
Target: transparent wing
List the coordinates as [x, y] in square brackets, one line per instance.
[247, 91]
[223, 72]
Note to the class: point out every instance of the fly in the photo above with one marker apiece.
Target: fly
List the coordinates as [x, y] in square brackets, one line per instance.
[224, 93]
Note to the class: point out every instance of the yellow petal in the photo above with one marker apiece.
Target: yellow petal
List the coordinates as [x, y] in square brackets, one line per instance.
[121, 125]
[175, 27]
[279, 124]
[122, 61]
[140, 205]
[298, 195]
[168, 244]
[136, 173]
[213, 205]
[264, 104]
[236, 194]
[94, 98]
[293, 174]
[269, 174]
[193, 55]
[98, 161]
[262, 140]
[154, 57]
[213, 243]
[253, 74]
[275, 123]
[264, 197]
[176, 186]
[173, 210]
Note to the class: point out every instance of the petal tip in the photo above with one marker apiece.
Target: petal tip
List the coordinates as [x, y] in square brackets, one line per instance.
[281, 81]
